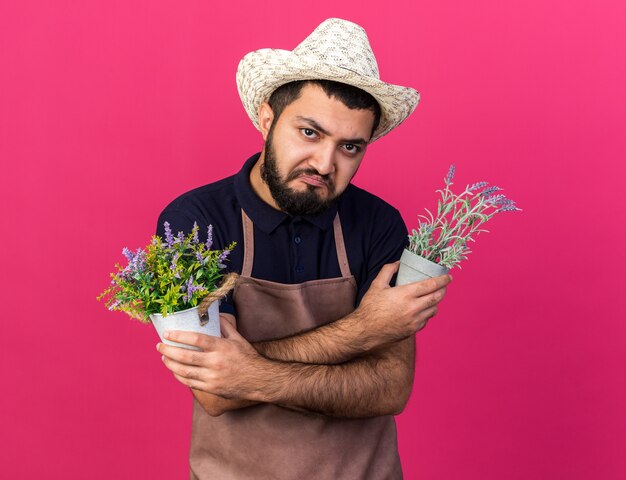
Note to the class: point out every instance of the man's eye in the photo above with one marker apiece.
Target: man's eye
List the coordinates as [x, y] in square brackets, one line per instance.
[351, 148]
[307, 132]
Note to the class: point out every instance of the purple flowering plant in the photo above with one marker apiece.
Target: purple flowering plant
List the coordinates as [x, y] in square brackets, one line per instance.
[443, 239]
[167, 276]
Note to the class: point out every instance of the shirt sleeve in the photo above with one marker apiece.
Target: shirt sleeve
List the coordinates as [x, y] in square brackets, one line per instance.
[181, 221]
[390, 237]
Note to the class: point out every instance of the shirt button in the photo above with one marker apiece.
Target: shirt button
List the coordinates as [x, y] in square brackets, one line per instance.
[299, 269]
[297, 240]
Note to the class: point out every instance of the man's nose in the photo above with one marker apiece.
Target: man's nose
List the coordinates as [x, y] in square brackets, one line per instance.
[324, 161]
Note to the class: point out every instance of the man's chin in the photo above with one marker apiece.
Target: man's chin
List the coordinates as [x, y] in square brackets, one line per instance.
[304, 203]
[322, 194]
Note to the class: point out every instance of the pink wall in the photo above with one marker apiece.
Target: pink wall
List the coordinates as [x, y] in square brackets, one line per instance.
[110, 109]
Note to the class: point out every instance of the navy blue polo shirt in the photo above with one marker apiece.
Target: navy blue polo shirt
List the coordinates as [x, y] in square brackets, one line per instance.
[291, 249]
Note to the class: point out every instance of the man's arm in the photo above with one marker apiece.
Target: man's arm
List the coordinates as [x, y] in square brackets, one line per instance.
[385, 316]
[215, 405]
[377, 384]
[230, 372]
[345, 337]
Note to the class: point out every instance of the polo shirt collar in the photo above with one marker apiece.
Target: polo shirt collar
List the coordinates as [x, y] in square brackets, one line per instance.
[263, 215]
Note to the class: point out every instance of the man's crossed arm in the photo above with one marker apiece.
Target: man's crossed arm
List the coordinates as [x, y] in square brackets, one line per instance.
[358, 366]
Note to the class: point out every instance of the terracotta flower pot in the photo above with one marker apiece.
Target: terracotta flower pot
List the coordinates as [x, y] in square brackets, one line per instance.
[414, 268]
[189, 321]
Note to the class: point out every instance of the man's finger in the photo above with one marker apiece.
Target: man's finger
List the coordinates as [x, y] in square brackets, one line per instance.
[228, 329]
[180, 355]
[228, 317]
[188, 382]
[386, 274]
[430, 285]
[204, 342]
[178, 368]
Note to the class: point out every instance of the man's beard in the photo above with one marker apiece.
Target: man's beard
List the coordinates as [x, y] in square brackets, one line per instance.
[289, 200]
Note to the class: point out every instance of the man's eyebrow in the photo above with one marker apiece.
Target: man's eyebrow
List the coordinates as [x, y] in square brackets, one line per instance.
[317, 126]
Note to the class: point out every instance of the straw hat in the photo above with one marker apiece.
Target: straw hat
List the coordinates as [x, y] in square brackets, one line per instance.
[336, 50]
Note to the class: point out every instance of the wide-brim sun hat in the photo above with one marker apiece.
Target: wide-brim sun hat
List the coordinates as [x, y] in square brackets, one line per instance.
[337, 50]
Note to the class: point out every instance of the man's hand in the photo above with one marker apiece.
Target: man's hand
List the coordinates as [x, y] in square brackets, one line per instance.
[227, 366]
[394, 313]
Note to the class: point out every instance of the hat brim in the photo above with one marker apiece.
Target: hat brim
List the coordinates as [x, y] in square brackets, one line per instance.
[263, 71]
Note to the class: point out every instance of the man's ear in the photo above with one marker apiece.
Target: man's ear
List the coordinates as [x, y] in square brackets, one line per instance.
[266, 117]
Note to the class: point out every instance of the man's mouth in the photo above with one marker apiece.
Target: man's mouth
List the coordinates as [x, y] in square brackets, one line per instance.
[313, 180]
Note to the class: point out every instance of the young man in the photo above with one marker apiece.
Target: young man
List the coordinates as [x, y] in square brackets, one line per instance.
[317, 351]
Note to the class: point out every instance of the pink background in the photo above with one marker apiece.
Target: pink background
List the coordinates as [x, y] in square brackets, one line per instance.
[109, 109]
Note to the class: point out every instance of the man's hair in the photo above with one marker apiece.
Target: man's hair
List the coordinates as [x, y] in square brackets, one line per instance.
[352, 97]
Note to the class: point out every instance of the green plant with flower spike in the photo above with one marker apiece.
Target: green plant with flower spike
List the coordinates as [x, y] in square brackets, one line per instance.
[166, 277]
[443, 238]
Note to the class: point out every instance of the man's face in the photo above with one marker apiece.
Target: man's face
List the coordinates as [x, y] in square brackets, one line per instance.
[313, 150]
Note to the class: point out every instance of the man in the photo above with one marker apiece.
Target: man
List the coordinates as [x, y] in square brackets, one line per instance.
[317, 351]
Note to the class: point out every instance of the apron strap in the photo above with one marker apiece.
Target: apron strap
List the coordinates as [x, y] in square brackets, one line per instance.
[342, 256]
[248, 246]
